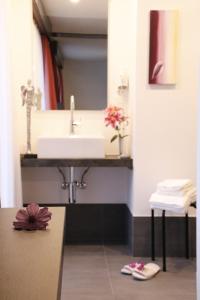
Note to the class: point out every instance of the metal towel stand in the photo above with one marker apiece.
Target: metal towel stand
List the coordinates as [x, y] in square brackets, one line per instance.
[164, 236]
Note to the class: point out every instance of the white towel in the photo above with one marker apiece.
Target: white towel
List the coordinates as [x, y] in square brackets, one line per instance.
[174, 185]
[173, 203]
[180, 193]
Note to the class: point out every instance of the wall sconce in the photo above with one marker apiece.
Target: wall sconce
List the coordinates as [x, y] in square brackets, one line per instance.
[123, 83]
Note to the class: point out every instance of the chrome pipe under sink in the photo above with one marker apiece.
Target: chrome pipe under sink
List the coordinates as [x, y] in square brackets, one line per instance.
[72, 186]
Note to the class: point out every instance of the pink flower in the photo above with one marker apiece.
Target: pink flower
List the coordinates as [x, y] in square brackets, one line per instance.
[32, 217]
[114, 117]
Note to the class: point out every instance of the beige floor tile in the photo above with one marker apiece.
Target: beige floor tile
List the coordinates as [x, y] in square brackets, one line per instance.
[86, 282]
[93, 273]
[86, 297]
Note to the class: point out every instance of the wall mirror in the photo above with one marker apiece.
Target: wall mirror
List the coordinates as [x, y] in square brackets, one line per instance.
[78, 35]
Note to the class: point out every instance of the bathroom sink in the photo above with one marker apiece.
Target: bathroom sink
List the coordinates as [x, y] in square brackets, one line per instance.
[71, 146]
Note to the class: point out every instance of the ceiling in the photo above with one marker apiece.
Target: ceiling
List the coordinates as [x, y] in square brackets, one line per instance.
[66, 16]
[87, 16]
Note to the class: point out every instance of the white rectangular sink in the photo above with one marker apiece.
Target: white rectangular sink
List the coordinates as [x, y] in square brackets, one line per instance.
[71, 146]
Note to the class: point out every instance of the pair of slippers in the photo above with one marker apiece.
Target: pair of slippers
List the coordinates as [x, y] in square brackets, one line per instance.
[140, 270]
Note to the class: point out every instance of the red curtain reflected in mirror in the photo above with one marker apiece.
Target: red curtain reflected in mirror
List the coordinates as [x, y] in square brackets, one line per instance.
[49, 75]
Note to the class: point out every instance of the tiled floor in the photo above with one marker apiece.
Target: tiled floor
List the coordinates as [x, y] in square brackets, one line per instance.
[93, 273]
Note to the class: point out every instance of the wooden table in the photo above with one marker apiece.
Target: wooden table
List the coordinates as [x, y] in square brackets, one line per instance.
[31, 261]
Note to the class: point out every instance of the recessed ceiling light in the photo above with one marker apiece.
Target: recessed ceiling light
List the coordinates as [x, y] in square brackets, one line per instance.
[74, 1]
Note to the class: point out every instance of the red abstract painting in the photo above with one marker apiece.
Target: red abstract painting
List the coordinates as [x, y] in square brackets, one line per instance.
[163, 46]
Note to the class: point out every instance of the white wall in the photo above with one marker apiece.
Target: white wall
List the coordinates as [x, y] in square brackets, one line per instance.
[22, 61]
[121, 56]
[16, 40]
[165, 118]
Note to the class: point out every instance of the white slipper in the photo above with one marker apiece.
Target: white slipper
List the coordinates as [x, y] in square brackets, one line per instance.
[128, 269]
[149, 271]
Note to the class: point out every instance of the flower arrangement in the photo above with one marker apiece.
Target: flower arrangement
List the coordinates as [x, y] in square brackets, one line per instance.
[32, 218]
[115, 118]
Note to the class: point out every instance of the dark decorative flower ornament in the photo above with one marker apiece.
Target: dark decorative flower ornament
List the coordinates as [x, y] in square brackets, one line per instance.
[32, 218]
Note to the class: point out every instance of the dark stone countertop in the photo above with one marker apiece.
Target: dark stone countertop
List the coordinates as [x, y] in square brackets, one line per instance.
[108, 161]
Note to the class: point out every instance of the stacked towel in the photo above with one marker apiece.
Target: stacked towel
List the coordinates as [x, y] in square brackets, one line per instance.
[174, 195]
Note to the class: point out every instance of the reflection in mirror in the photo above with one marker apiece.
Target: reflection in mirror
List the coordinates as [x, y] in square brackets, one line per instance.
[77, 42]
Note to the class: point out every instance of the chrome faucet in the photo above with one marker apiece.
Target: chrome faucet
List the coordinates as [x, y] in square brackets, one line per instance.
[72, 107]
[73, 123]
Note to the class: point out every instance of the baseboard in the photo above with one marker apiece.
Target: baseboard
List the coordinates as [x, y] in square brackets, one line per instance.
[175, 236]
[96, 223]
[129, 227]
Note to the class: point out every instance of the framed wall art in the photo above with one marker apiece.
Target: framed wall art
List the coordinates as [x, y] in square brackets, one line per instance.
[163, 46]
